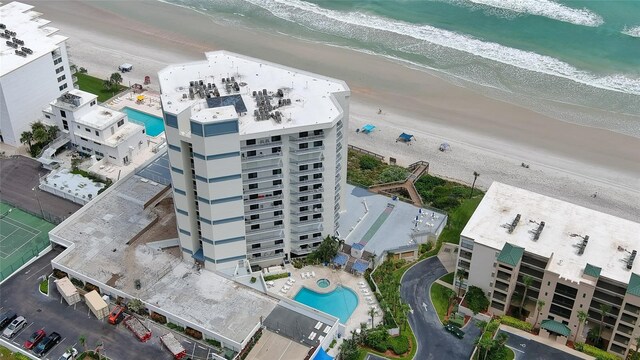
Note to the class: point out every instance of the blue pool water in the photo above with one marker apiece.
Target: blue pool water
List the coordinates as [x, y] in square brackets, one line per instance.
[340, 302]
[154, 125]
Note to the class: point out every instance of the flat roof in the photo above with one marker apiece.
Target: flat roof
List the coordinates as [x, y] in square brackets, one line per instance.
[73, 99]
[310, 99]
[297, 326]
[273, 346]
[100, 117]
[31, 29]
[101, 231]
[611, 239]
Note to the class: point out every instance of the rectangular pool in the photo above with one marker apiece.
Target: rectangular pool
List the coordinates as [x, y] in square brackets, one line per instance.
[153, 125]
[340, 302]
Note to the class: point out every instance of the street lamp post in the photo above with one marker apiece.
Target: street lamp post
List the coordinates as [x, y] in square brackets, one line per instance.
[35, 188]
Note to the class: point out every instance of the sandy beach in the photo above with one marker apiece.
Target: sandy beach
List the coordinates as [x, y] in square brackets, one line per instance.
[566, 161]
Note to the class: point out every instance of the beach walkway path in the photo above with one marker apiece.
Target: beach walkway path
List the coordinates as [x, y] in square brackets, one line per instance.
[417, 170]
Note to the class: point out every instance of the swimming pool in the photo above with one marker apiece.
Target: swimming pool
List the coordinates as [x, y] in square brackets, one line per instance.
[153, 125]
[340, 302]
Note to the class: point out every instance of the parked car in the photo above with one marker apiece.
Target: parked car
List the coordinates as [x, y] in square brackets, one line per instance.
[34, 339]
[16, 325]
[6, 318]
[47, 343]
[454, 330]
[69, 355]
[116, 315]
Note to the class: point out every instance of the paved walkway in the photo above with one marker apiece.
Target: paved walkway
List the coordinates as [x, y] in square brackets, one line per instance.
[526, 347]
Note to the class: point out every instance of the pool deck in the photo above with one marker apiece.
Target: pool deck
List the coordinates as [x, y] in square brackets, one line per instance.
[336, 277]
[150, 104]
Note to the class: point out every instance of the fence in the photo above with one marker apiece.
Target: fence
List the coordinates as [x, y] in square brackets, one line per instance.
[361, 150]
[7, 269]
[44, 215]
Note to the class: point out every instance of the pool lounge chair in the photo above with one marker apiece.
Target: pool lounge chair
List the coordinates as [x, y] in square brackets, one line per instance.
[292, 280]
[313, 274]
[301, 275]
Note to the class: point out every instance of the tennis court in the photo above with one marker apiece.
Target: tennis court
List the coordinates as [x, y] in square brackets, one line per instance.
[22, 237]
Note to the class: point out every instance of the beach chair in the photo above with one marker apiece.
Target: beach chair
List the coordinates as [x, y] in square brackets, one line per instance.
[361, 283]
[313, 274]
[301, 275]
[286, 287]
[292, 280]
[320, 338]
[283, 290]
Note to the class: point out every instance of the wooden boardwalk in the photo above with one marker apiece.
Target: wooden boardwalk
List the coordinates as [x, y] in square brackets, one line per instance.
[417, 170]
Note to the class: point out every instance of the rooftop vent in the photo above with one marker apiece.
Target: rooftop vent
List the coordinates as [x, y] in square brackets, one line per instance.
[514, 223]
[582, 245]
[632, 257]
[70, 99]
[3, 26]
[536, 233]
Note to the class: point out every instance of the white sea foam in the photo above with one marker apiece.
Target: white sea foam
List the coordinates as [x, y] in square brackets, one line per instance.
[632, 31]
[546, 8]
[371, 26]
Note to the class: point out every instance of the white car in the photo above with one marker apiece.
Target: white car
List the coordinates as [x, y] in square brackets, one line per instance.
[69, 355]
[16, 325]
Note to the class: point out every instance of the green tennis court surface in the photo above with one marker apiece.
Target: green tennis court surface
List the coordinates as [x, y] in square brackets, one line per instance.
[22, 237]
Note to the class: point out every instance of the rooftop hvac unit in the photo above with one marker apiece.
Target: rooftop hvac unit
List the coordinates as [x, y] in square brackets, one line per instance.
[3, 26]
[631, 259]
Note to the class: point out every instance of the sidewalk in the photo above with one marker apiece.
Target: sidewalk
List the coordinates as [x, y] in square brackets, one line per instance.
[546, 342]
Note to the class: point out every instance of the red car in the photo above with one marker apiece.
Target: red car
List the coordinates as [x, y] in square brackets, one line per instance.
[34, 339]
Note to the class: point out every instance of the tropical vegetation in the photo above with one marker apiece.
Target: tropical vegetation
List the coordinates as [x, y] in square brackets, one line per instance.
[488, 345]
[366, 170]
[99, 86]
[38, 137]
[476, 300]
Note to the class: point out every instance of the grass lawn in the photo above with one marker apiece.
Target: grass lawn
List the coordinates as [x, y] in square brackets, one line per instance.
[6, 354]
[458, 218]
[440, 299]
[510, 354]
[95, 86]
[448, 278]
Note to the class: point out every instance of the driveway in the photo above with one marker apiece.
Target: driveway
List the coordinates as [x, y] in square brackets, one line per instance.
[526, 349]
[434, 343]
[20, 293]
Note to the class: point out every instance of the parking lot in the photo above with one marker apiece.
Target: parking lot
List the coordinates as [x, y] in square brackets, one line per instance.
[526, 349]
[20, 293]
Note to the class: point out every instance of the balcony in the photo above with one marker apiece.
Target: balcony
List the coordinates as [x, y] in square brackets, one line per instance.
[263, 190]
[309, 221]
[262, 144]
[257, 167]
[264, 248]
[297, 162]
[309, 202]
[263, 220]
[309, 150]
[307, 171]
[625, 329]
[263, 199]
[604, 297]
[248, 159]
[632, 309]
[631, 320]
[295, 181]
[621, 339]
[263, 209]
[264, 230]
[502, 286]
[275, 235]
[305, 230]
[306, 212]
[267, 257]
[503, 276]
[500, 297]
[310, 240]
[465, 255]
[308, 191]
[261, 179]
[298, 140]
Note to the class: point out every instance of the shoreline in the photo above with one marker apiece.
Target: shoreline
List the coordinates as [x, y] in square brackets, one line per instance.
[490, 136]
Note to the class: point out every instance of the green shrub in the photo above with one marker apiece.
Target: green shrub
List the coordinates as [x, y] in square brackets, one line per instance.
[213, 342]
[368, 162]
[595, 352]
[44, 286]
[276, 276]
[159, 318]
[333, 343]
[456, 320]
[193, 333]
[393, 173]
[476, 300]
[77, 282]
[399, 344]
[516, 323]
[445, 202]
[175, 327]
[377, 339]
[253, 279]
[426, 247]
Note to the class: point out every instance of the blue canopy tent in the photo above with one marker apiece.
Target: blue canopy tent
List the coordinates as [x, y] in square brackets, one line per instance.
[360, 266]
[368, 128]
[322, 355]
[404, 137]
[341, 259]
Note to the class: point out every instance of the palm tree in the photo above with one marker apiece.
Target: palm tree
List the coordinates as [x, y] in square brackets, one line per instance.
[116, 78]
[475, 177]
[527, 280]
[540, 304]
[372, 313]
[484, 344]
[452, 297]
[26, 138]
[461, 274]
[52, 132]
[107, 84]
[404, 308]
[83, 341]
[604, 309]
[40, 135]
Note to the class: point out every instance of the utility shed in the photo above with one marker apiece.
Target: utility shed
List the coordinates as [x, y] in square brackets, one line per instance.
[98, 307]
[67, 290]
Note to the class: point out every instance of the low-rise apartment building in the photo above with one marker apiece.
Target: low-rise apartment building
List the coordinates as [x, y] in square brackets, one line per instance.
[96, 130]
[574, 259]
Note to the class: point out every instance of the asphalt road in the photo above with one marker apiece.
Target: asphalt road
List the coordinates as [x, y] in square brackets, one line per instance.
[18, 176]
[434, 343]
[532, 350]
[20, 293]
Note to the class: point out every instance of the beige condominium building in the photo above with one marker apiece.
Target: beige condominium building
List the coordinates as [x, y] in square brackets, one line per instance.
[575, 259]
[258, 158]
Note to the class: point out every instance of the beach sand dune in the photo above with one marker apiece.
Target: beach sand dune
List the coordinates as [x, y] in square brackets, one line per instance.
[492, 137]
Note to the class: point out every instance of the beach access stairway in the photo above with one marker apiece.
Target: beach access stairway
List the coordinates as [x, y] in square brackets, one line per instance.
[46, 155]
[417, 169]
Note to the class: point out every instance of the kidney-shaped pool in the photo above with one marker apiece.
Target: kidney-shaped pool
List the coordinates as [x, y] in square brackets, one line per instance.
[340, 302]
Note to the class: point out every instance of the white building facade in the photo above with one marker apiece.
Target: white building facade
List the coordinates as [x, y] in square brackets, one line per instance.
[34, 68]
[96, 130]
[258, 156]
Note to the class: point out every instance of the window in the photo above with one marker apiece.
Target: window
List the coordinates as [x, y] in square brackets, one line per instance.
[276, 138]
[303, 218]
[99, 153]
[303, 167]
[251, 153]
[317, 216]
[251, 142]
[317, 143]
[277, 182]
[303, 146]
[97, 133]
[279, 251]
[278, 242]
[81, 138]
[253, 175]
[47, 116]
[317, 165]
[277, 203]
[255, 246]
[303, 198]
[303, 188]
[304, 208]
[87, 129]
[255, 217]
[92, 103]
[62, 87]
[317, 235]
[303, 178]
[317, 186]
[59, 70]
[277, 213]
[277, 223]
[254, 207]
[57, 61]
[277, 171]
[276, 150]
[121, 122]
[65, 124]
[304, 237]
[277, 192]
[317, 176]
[255, 227]
[61, 78]
[303, 134]
[253, 186]
[317, 196]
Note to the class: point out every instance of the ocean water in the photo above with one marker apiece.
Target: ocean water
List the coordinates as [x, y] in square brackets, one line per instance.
[542, 54]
